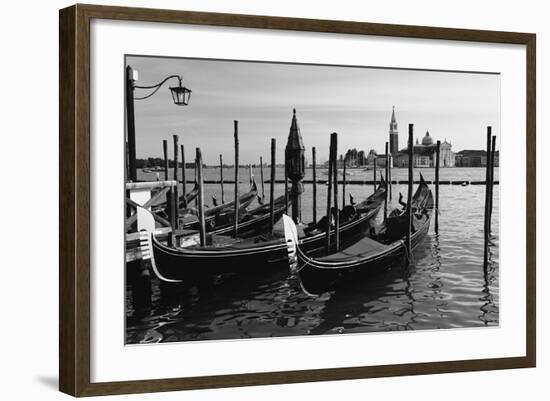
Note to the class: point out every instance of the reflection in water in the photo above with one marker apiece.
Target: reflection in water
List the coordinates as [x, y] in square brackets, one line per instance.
[443, 287]
[489, 310]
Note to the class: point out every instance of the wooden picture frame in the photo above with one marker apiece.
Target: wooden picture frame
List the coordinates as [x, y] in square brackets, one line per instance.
[74, 199]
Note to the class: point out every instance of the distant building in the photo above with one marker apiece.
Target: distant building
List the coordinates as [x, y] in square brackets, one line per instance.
[373, 157]
[474, 158]
[424, 153]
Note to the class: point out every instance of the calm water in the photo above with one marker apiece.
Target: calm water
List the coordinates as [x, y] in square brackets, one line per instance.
[444, 288]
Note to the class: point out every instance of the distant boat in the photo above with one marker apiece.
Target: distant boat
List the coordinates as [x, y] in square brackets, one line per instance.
[339, 172]
[152, 169]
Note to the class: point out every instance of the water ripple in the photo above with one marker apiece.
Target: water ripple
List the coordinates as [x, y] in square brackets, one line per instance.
[446, 288]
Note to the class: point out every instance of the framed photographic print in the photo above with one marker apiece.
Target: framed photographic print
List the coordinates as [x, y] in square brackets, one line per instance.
[250, 200]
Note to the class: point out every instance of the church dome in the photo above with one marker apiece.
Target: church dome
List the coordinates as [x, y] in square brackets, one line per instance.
[427, 140]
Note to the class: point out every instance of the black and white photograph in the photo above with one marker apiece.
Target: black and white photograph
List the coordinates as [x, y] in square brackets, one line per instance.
[269, 199]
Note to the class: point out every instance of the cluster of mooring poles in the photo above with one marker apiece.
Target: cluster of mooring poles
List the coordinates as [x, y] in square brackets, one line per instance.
[294, 170]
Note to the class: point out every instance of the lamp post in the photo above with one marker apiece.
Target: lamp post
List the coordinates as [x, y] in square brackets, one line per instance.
[295, 167]
[180, 96]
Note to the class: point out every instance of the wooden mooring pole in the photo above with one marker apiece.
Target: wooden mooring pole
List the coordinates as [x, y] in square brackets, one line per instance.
[374, 175]
[131, 123]
[437, 151]
[250, 173]
[262, 176]
[165, 154]
[196, 199]
[236, 217]
[170, 196]
[221, 178]
[286, 186]
[409, 193]
[177, 205]
[272, 186]
[173, 216]
[183, 178]
[492, 180]
[314, 161]
[331, 158]
[344, 185]
[389, 184]
[335, 189]
[202, 223]
[487, 217]
[387, 178]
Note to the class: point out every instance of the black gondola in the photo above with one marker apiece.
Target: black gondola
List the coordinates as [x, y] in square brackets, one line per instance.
[220, 216]
[377, 251]
[367, 203]
[160, 208]
[195, 263]
[252, 222]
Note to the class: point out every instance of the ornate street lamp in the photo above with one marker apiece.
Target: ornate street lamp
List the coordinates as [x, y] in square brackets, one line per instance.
[180, 96]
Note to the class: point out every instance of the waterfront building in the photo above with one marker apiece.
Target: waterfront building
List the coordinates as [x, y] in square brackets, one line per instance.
[474, 158]
[372, 156]
[424, 152]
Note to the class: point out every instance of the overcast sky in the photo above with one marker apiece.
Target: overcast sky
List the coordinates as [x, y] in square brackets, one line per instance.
[355, 102]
